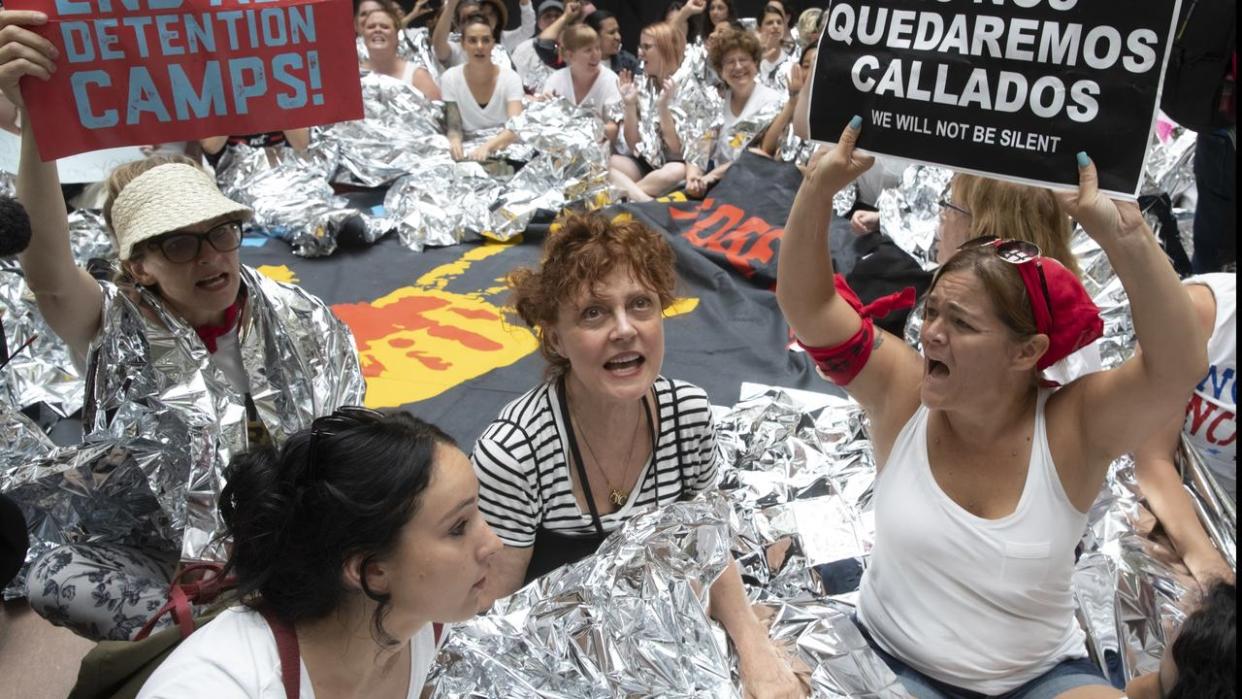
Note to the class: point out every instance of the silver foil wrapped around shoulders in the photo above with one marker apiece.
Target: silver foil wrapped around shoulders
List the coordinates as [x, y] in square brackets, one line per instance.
[149, 380]
[733, 141]
[696, 106]
[910, 213]
[43, 372]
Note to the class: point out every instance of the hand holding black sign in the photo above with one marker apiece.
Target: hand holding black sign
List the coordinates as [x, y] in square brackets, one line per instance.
[1007, 88]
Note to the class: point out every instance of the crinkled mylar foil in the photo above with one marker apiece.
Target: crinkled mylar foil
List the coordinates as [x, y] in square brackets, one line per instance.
[565, 164]
[89, 238]
[909, 213]
[149, 381]
[531, 69]
[21, 441]
[42, 373]
[632, 620]
[1170, 171]
[291, 195]
[100, 491]
[732, 141]
[696, 107]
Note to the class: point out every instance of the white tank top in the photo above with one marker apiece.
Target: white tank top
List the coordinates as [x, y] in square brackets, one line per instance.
[984, 605]
[1212, 416]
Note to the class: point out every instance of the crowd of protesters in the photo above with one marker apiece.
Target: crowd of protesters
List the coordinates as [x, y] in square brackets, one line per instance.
[361, 533]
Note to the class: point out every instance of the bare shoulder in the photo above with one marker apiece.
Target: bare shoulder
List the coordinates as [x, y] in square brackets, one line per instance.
[1205, 305]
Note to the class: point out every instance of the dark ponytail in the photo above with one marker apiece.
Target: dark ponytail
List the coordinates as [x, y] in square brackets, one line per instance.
[295, 516]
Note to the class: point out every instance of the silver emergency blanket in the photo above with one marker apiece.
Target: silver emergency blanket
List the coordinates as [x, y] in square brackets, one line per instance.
[1170, 171]
[909, 213]
[696, 107]
[149, 379]
[89, 238]
[98, 492]
[530, 67]
[730, 143]
[291, 195]
[21, 441]
[41, 373]
[566, 165]
[632, 620]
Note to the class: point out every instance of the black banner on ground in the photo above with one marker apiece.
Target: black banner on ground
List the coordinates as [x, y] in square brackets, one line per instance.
[1006, 88]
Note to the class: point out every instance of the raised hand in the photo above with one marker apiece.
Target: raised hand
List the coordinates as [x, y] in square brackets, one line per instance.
[1102, 218]
[22, 52]
[629, 91]
[835, 168]
[797, 79]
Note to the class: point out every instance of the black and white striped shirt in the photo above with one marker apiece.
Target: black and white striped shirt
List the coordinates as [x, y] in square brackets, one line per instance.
[523, 468]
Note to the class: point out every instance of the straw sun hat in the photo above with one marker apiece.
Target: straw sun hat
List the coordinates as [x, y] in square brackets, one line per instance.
[169, 198]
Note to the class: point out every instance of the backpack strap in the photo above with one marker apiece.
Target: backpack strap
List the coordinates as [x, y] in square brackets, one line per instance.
[181, 595]
[287, 649]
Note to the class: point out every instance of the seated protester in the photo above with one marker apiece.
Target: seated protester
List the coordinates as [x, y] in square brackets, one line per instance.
[650, 161]
[609, 29]
[782, 129]
[381, 31]
[689, 17]
[214, 147]
[735, 56]
[362, 8]
[526, 60]
[807, 28]
[546, 41]
[1202, 660]
[720, 12]
[479, 95]
[357, 536]
[775, 62]
[421, 14]
[568, 462]
[1209, 426]
[187, 347]
[986, 478]
[448, 49]
[976, 206]
[584, 81]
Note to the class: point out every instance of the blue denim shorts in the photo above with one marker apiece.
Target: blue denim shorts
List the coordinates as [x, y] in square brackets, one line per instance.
[1069, 674]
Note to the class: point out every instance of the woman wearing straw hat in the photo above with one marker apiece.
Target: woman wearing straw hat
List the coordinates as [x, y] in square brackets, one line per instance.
[188, 348]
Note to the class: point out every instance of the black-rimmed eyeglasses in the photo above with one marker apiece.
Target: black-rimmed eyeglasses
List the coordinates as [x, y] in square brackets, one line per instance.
[185, 247]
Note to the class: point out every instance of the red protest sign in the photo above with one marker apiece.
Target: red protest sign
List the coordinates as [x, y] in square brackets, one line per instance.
[132, 72]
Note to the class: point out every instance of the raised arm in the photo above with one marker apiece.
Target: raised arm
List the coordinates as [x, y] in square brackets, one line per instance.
[553, 33]
[526, 27]
[668, 125]
[887, 385]
[629, 100]
[440, 34]
[1117, 410]
[69, 299]
[681, 21]
[776, 130]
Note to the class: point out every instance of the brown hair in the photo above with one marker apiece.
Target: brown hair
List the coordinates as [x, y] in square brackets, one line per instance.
[743, 41]
[1002, 284]
[502, 15]
[392, 10]
[577, 36]
[585, 249]
[669, 42]
[1018, 212]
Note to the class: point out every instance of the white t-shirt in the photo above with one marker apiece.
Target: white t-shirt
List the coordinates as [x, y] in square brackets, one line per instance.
[476, 117]
[1212, 417]
[234, 656]
[604, 92]
[227, 358]
[760, 98]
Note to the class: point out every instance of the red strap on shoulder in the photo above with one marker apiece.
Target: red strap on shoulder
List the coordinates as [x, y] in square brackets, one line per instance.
[287, 649]
[181, 595]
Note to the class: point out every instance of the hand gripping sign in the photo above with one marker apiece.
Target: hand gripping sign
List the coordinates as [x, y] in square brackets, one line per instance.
[154, 71]
[1005, 88]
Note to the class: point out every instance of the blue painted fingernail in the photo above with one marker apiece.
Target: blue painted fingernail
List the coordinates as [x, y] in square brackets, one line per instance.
[1083, 159]
[856, 122]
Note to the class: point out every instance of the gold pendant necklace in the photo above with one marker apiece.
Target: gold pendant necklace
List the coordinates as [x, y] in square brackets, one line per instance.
[616, 496]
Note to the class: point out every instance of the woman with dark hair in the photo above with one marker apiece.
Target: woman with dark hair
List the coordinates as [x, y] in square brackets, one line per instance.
[187, 347]
[609, 29]
[986, 476]
[690, 18]
[360, 534]
[606, 434]
[479, 95]
[720, 11]
[449, 51]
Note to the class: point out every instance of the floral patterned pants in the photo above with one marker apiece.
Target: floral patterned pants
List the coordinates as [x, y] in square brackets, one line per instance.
[99, 591]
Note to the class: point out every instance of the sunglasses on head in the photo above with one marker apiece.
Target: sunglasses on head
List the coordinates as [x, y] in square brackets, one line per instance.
[339, 422]
[185, 247]
[1016, 252]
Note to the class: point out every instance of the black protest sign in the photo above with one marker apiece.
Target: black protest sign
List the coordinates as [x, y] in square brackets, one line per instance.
[1006, 88]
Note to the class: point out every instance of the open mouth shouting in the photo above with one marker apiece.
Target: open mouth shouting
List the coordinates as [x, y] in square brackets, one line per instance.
[213, 283]
[936, 369]
[625, 364]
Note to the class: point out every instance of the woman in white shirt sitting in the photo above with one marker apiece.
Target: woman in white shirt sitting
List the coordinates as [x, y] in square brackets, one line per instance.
[380, 32]
[357, 538]
[735, 57]
[584, 80]
[479, 95]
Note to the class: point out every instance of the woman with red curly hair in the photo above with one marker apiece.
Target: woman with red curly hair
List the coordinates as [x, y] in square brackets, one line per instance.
[605, 434]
